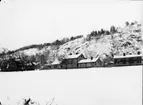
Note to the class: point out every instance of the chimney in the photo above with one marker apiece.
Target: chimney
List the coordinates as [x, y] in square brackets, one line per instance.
[91, 58]
[138, 53]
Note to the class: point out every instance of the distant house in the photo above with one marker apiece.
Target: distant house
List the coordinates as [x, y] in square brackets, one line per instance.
[93, 62]
[54, 65]
[46, 66]
[127, 60]
[72, 61]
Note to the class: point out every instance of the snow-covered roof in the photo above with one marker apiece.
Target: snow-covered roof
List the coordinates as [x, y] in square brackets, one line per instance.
[56, 62]
[88, 60]
[128, 56]
[73, 56]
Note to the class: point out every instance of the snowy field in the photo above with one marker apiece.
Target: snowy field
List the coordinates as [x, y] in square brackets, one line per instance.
[95, 86]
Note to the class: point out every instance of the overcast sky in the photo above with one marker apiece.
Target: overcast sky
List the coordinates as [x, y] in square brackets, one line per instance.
[25, 22]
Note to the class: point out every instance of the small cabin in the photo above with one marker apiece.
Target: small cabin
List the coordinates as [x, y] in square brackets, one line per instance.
[127, 60]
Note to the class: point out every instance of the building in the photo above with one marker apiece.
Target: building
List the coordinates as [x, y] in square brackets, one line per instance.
[87, 63]
[54, 65]
[127, 60]
[46, 66]
[72, 61]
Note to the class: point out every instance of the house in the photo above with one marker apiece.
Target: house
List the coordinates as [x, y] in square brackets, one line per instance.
[72, 61]
[46, 66]
[54, 65]
[93, 62]
[127, 60]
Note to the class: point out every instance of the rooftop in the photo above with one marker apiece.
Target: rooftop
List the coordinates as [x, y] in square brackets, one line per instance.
[88, 60]
[73, 56]
[56, 62]
[128, 56]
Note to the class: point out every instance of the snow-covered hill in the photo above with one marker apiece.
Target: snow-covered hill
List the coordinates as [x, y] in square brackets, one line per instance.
[3, 50]
[92, 47]
[126, 40]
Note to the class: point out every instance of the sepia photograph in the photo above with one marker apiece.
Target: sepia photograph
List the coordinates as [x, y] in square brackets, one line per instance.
[71, 52]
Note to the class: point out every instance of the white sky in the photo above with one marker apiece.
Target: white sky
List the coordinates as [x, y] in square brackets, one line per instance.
[25, 22]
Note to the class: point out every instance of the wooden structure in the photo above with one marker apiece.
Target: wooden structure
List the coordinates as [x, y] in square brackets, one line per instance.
[46, 66]
[127, 60]
[55, 65]
[72, 61]
[79, 61]
[87, 63]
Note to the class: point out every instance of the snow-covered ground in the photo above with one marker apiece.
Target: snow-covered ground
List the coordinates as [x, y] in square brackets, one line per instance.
[94, 86]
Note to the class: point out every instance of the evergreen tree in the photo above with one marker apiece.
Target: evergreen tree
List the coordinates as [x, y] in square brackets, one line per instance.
[113, 29]
[107, 32]
[102, 31]
[99, 33]
[92, 33]
[95, 33]
[132, 23]
[127, 23]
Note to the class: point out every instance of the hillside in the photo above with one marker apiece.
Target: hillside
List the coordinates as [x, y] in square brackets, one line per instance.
[126, 40]
[3, 50]
[117, 41]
